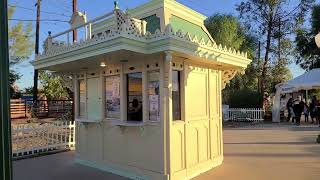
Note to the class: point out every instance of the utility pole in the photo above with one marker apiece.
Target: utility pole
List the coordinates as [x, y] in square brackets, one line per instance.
[75, 9]
[5, 125]
[36, 73]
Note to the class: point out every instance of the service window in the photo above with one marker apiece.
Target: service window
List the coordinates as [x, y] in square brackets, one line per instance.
[82, 98]
[112, 97]
[134, 99]
[154, 96]
[176, 95]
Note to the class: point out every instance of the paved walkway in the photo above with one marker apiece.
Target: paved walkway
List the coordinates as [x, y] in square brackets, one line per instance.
[269, 153]
[254, 153]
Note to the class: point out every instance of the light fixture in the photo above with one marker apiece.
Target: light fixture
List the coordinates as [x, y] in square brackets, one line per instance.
[102, 64]
[317, 39]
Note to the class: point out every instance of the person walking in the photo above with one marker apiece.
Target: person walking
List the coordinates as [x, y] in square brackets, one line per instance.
[290, 110]
[306, 111]
[314, 109]
[298, 109]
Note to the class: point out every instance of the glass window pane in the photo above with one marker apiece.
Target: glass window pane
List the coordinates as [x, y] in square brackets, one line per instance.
[154, 96]
[112, 93]
[134, 92]
[82, 98]
[176, 96]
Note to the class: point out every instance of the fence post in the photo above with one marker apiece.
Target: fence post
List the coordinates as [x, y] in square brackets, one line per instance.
[63, 110]
[25, 109]
[48, 104]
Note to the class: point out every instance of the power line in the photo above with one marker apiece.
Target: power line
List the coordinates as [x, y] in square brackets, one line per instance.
[31, 9]
[33, 20]
[59, 5]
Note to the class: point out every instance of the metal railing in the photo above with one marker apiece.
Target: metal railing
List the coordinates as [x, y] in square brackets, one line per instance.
[34, 139]
[93, 31]
[86, 28]
[244, 114]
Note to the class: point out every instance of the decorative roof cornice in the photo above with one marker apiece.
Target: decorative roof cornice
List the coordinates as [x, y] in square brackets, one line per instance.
[134, 29]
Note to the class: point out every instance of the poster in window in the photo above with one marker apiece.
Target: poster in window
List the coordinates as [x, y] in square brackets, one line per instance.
[154, 96]
[112, 97]
[82, 98]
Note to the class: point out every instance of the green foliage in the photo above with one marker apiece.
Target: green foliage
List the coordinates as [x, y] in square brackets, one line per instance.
[20, 48]
[28, 90]
[308, 54]
[314, 92]
[243, 98]
[264, 17]
[13, 77]
[20, 40]
[54, 87]
[280, 73]
[226, 29]
[229, 31]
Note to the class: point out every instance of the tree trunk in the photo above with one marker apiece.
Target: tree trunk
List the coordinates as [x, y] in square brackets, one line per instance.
[266, 59]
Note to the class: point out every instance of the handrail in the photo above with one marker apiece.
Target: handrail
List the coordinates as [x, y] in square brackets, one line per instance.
[83, 25]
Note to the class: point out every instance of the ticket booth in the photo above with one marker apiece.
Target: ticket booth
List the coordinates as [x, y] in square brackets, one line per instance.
[147, 86]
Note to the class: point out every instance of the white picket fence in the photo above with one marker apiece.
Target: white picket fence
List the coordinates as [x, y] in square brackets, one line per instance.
[244, 114]
[33, 139]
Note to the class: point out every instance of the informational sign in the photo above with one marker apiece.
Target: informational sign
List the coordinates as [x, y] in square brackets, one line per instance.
[154, 103]
[154, 97]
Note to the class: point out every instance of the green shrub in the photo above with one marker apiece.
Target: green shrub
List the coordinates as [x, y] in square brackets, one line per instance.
[244, 98]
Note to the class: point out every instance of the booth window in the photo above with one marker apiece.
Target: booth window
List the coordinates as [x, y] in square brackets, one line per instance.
[134, 99]
[176, 95]
[82, 98]
[154, 95]
[112, 96]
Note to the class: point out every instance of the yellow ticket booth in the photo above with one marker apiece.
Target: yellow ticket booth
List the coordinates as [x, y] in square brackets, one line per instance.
[147, 86]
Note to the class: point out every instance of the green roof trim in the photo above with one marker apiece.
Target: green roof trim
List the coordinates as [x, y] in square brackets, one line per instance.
[153, 23]
[186, 26]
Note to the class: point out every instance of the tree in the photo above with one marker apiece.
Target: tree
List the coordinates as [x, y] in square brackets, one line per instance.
[28, 90]
[308, 56]
[227, 30]
[20, 47]
[13, 77]
[265, 17]
[54, 86]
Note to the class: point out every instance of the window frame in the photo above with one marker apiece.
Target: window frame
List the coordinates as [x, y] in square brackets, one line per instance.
[181, 93]
[122, 72]
[79, 114]
[126, 89]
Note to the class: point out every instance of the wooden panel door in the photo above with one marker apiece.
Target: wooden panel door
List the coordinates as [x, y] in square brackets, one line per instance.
[197, 119]
[94, 101]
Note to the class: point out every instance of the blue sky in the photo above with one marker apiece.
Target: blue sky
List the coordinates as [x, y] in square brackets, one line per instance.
[94, 8]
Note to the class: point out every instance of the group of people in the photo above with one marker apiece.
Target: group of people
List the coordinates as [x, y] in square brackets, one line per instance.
[298, 106]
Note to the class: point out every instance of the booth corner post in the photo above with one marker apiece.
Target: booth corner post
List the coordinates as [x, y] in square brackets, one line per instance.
[5, 126]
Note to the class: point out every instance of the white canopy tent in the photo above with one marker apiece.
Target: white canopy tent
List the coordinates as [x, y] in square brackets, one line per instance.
[307, 81]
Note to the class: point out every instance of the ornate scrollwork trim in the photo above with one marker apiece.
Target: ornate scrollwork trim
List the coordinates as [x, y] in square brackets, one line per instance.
[227, 76]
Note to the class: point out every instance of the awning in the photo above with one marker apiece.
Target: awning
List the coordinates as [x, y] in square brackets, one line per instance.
[307, 81]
